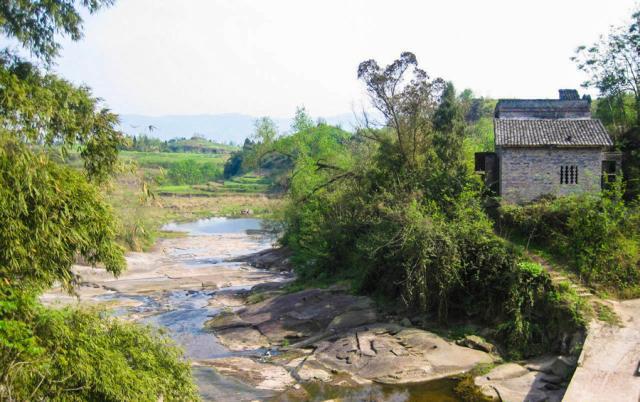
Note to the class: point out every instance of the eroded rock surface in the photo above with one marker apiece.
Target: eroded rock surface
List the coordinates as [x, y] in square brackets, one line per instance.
[258, 374]
[295, 316]
[342, 331]
[388, 354]
[274, 259]
[511, 382]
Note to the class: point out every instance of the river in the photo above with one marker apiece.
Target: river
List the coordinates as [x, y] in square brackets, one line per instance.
[184, 281]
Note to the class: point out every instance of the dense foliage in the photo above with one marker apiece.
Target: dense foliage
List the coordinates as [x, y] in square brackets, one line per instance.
[195, 144]
[613, 67]
[77, 355]
[188, 171]
[599, 237]
[52, 214]
[395, 210]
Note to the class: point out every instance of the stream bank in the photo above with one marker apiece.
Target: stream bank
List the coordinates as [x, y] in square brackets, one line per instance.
[218, 291]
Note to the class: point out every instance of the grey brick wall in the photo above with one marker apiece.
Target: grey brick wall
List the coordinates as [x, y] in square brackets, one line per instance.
[528, 173]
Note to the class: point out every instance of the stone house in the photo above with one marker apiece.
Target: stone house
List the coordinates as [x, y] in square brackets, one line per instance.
[547, 147]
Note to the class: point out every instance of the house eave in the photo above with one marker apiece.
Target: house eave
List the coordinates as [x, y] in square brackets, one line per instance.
[555, 146]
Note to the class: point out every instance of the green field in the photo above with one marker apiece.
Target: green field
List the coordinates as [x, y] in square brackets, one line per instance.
[198, 144]
[156, 160]
[248, 184]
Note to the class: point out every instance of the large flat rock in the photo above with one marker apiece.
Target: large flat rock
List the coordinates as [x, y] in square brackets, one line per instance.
[512, 382]
[383, 354]
[609, 360]
[257, 374]
[293, 317]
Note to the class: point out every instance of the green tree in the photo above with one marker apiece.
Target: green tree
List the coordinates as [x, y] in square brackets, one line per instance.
[265, 130]
[301, 121]
[394, 211]
[613, 67]
[407, 99]
[51, 214]
[449, 111]
[613, 63]
[35, 24]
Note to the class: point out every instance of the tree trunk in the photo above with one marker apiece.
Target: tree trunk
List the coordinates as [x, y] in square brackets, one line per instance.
[637, 108]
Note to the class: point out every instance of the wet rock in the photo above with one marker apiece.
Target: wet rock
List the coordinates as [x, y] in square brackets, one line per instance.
[274, 259]
[475, 342]
[513, 382]
[352, 319]
[225, 320]
[561, 366]
[257, 374]
[406, 323]
[242, 338]
[298, 316]
[309, 369]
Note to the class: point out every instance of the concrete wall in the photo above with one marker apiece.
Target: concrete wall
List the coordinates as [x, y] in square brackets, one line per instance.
[528, 173]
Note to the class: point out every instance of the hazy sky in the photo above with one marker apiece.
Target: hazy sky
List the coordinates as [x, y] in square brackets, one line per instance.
[264, 57]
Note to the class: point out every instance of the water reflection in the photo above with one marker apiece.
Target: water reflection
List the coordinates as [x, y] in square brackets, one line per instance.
[216, 226]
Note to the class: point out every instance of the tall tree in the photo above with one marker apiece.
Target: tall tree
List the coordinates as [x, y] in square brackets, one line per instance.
[449, 111]
[406, 98]
[265, 130]
[613, 66]
[613, 63]
[301, 121]
[50, 214]
[35, 23]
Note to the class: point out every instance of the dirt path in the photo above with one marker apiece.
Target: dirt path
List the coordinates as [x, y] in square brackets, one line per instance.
[609, 361]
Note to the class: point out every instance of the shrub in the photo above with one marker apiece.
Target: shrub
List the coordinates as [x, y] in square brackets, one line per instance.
[188, 171]
[80, 355]
[598, 236]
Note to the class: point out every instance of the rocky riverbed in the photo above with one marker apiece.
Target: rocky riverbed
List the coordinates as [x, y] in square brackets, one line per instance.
[220, 291]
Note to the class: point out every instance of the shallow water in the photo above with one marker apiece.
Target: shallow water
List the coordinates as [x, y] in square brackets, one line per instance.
[186, 315]
[183, 313]
[432, 391]
[216, 226]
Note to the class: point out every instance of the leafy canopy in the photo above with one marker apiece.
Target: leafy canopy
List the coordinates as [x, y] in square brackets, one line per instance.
[613, 63]
[51, 214]
[35, 24]
[395, 211]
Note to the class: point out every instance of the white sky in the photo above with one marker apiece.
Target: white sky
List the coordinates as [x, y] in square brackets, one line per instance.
[264, 57]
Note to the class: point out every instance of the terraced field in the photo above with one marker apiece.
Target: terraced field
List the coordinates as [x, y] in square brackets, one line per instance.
[248, 184]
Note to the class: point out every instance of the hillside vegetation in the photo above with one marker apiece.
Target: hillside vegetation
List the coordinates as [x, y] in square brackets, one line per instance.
[53, 214]
[397, 212]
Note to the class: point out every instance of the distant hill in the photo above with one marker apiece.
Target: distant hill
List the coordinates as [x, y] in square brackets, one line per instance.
[218, 127]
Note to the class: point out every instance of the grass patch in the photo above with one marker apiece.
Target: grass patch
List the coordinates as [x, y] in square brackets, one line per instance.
[170, 234]
[606, 314]
[237, 185]
[140, 221]
[166, 159]
[468, 391]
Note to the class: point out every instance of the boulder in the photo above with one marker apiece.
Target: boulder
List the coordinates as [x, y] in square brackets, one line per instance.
[475, 342]
[274, 259]
[506, 371]
[561, 366]
[411, 355]
[352, 319]
[257, 374]
[297, 316]
[514, 382]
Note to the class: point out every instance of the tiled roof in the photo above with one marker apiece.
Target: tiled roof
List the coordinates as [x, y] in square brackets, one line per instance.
[543, 109]
[551, 132]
